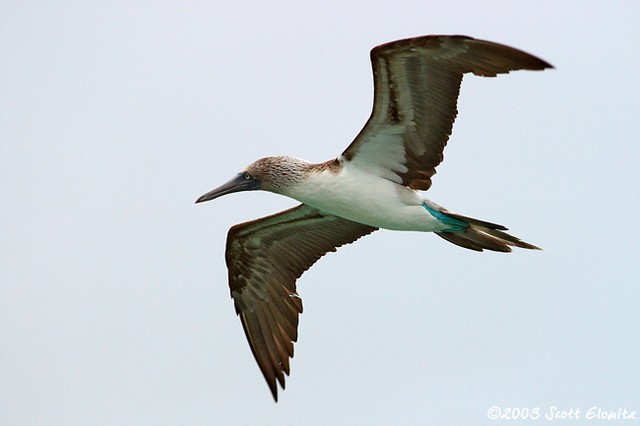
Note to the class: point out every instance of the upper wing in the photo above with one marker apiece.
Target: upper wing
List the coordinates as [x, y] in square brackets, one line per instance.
[416, 86]
[265, 257]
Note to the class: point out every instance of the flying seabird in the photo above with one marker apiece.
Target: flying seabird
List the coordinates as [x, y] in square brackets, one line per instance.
[373, 184]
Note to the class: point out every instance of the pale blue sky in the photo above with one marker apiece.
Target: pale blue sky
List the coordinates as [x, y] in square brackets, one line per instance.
[114, 305]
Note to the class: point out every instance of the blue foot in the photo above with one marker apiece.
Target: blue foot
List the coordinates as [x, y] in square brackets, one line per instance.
[454, 225]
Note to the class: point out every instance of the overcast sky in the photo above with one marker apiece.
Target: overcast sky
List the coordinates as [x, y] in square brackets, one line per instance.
[114, 304]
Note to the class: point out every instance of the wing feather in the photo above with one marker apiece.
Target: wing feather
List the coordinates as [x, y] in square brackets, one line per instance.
[265, 257]
[416, 88]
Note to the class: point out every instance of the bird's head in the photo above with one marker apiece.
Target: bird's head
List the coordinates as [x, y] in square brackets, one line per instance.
[267, 174]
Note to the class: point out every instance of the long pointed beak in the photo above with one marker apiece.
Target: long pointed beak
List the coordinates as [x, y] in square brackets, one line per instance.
[237, 184]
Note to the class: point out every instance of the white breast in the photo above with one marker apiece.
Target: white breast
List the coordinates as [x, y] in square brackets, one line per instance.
[363, 197]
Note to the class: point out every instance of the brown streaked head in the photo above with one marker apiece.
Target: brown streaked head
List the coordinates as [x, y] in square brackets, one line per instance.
[273, 174]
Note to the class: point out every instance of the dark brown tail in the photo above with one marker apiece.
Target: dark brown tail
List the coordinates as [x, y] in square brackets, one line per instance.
[481, 235]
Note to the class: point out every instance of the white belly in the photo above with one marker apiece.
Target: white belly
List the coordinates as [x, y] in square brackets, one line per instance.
[366, 198]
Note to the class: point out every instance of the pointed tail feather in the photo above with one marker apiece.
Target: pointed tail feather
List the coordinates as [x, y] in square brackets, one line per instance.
[481, 235]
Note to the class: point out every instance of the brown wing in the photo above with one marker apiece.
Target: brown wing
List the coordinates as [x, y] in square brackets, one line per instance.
[416, 86]
[265, 257]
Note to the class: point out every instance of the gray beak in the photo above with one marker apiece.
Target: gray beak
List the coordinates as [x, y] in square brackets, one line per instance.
[242, 182]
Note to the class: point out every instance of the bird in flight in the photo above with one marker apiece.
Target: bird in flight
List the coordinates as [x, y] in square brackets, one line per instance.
[375, 183]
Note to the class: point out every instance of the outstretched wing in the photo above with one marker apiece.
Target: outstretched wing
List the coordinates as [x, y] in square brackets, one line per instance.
[265, 257]
[416, 86]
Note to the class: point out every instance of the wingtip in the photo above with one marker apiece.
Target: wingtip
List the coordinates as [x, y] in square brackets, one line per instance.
[545, 65]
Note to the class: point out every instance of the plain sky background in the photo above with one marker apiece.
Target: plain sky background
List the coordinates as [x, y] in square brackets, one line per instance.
[114, 304]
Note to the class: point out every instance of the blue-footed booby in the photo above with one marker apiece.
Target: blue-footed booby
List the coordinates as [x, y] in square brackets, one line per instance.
[373, 184]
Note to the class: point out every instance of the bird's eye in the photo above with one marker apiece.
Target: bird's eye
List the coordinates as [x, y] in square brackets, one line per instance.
[247, 176]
